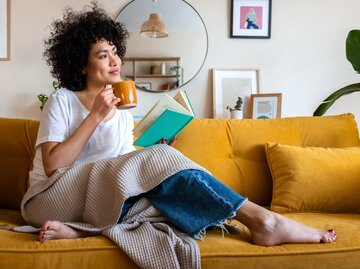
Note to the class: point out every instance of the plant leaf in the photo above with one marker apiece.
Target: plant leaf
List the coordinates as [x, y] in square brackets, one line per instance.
[353, 49]
[324, 106]
[56, 85]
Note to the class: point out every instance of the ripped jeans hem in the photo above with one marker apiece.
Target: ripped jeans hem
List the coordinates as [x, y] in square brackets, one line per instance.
[220, 224]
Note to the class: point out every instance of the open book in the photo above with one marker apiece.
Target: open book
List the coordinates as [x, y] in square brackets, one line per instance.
[164, 120]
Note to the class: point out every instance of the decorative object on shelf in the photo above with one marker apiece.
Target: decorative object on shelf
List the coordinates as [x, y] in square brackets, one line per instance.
[166, 87]
[5, 30]
[179, 72]
[163, 68]
[265, 106]
[229, 84]
[353, 55]
[43, 97]
[236, 112]
[146, 86]
[154, 27]
[250, 19]
[154, 70]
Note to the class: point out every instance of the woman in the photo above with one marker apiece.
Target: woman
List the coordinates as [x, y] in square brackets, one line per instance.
[251, 18]
[81, 124]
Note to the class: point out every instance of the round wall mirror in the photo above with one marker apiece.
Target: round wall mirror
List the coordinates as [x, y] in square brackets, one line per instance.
[163, 62]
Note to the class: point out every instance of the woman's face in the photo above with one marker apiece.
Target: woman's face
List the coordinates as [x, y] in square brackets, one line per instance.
[103, 65]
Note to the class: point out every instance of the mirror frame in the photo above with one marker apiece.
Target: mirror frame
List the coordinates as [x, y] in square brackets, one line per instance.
[203, 60]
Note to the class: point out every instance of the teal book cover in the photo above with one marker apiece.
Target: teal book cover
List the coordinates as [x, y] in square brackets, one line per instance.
[168, 125]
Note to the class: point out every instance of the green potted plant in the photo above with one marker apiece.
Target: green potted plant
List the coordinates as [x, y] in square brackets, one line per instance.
[353, 55]
[236, 111]
[179, 72]
[43, 97]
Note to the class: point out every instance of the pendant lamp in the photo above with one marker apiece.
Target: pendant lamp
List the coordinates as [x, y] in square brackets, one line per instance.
[154, 27]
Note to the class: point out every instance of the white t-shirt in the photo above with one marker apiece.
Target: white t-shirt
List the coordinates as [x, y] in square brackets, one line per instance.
[63, 114]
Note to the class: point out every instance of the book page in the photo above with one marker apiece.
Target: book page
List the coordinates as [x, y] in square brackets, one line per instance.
[165, 102]
[182, 98]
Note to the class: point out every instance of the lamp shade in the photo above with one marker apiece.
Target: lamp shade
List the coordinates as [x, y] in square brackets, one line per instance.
[154, 27]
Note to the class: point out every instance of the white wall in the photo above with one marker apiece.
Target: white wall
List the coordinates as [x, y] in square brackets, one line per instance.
[304, 59]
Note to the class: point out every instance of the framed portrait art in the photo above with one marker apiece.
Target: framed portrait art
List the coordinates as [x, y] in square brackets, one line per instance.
[144, 86]
[250, 19]
[265, 106]
[229, 84]
[4, 30]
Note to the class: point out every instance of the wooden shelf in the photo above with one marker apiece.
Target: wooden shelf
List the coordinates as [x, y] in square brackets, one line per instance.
[141, 65]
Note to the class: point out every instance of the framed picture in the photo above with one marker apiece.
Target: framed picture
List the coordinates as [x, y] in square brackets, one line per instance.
[229, 84]
[265, 106]
[4, 30]
[144, 86]
[250, 19]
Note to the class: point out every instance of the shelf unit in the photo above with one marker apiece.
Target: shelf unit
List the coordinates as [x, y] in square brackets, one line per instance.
[141, 63]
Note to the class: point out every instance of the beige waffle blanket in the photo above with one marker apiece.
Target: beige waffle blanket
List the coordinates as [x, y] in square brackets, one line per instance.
[90, 197]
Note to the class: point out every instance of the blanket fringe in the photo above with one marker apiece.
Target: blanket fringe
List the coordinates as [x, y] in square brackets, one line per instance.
[20, 229]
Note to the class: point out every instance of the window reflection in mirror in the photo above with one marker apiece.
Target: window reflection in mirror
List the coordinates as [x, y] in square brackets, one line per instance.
[187, 40]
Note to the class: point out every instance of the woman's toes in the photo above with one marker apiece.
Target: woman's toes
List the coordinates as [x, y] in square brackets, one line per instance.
[329, 236]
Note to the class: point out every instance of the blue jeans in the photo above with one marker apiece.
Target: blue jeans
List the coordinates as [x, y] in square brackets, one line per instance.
[251, 24]
[192, 200]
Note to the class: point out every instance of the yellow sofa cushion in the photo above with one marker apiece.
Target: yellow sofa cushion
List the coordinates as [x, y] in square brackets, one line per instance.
[314, 179]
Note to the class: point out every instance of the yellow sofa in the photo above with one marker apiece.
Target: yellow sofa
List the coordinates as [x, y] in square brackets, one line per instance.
[237, 153]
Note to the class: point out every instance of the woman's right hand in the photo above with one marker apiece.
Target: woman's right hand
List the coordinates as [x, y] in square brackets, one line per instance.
[104, 102]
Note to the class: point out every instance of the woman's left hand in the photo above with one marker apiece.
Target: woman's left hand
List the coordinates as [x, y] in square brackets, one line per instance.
[172, 142]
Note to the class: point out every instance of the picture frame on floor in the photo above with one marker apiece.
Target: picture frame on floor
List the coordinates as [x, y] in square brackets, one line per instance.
[231, 83]
[265, 106]
[4, 30]
[250, 19]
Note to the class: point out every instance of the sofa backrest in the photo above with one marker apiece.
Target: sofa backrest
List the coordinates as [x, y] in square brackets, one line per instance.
[17, 142]
[233, 150]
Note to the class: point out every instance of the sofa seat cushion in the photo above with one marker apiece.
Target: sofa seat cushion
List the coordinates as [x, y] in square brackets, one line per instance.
[22, 250]
[19, 250]
[232, 252]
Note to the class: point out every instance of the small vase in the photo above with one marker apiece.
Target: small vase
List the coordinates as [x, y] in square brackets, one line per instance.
[163, 68]
[236, 114]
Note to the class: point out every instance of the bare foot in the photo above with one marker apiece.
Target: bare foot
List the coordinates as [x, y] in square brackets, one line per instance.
[277, 229]
[56, 230]
[268, 228]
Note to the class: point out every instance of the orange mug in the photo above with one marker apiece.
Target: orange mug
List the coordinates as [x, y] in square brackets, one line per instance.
[126, 91]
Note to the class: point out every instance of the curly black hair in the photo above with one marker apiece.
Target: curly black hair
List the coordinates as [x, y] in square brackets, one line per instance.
[67, 49]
